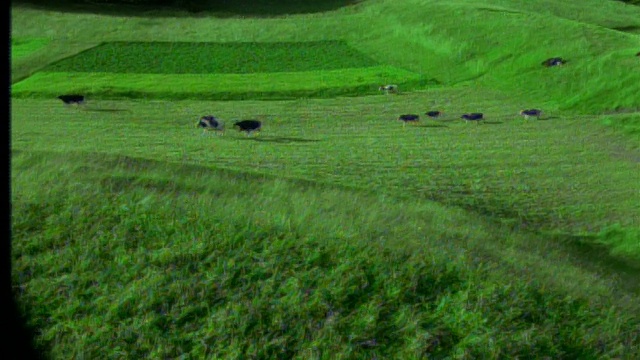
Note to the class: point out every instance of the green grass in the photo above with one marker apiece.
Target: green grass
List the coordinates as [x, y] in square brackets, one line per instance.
[554, 174]
[627, 124]
[214, 58]
[598, 77]
[355, 81]
[336, 233]
[225, 264]
[21, 48]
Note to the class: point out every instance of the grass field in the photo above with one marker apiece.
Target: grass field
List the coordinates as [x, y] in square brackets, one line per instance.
[218, 86]
[217, 71]
[336, 233]
[214, 58]
[20, 48]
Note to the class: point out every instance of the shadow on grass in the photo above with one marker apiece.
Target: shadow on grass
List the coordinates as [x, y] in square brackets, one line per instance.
[480, 123]
[433, 126]
[596, 257]
[107, 110]
[189, 8]
[283, 140]
[450, 120]
[628, 29]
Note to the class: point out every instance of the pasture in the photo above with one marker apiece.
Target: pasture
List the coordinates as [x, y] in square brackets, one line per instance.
[239, 71]
[336, 233]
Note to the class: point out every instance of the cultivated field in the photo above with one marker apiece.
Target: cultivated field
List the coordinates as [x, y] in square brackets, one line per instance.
[336, 233]
[243, 70]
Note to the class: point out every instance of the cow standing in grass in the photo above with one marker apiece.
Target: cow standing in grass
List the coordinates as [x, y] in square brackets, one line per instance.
[477, 117]
[434, 114]
[389, 89]
[209, 122]
[248, 126]
[412, 118]
[556, 61]
[72, 99]
[531, 112]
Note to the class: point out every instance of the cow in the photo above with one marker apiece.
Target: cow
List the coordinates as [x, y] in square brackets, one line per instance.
[248, 125]
[531, 112]
[555, 61]
[209, 122]
[433, 114]
[72, 99]
[389, 89]
[413, 118]
[477, 117]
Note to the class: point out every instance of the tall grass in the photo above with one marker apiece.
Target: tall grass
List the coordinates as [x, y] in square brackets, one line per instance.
[150, 260]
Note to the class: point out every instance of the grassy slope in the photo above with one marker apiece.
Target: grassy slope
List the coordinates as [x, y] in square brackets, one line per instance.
[438, 48]
[507, 168]
[509, 60]
[505, 292]
[224, 263]
[145, 186]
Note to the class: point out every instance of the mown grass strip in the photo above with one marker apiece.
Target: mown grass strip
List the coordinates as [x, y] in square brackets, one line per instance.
[214, 58]
[216, 86]
[22, 47]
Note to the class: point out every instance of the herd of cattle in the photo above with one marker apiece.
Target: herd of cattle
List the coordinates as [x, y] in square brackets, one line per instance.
[210, 122]
[477, 117]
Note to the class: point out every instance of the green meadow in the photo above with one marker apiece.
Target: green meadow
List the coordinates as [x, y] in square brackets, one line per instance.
[23, 47]
[336, 232]
[216, 71]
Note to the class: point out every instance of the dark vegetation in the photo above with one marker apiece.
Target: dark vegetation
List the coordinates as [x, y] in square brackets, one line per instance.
[173, 8]
[237, 58]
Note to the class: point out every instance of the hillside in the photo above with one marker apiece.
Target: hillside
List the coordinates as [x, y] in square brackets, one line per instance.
[337, 232]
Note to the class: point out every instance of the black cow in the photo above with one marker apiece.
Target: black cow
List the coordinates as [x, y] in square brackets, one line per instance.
[477, 117]
[248, 125]
[209, 122]
[555, 61]
[531, 112]
[434, 114]
[413, 118]
[72, 99]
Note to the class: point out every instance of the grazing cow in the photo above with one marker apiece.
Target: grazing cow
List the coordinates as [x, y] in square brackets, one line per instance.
[248, 125]
[389, 89]
[72, 99]
[531, 112]
[209, 122]
[433, 114]
[556, 61]
[477, 117]
[413, 118]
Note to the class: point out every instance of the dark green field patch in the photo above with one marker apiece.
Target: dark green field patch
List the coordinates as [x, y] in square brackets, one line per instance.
[212, 58]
